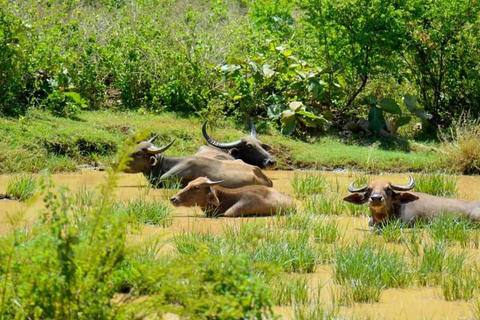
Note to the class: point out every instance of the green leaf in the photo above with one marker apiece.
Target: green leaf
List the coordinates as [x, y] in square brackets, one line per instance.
[389, 105]
[402, 121]
[288, 121]
[74, 96]
[287, 53]
[376, 121]
[268, 71]
[314, 88]
[295, 105]
[369, 100]
[410, 102]
[273, 111]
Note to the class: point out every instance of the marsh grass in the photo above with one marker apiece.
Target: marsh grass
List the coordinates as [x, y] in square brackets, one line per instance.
[452, 229]
[310, 183]
[287, 290]
[327, 204]
[315, 310]
[459, 281]
[147, 212]
[437, 184]
[325, 231]
[368, 268]
[22, 187]
[85, 197]
[393, 231]
[432, 263]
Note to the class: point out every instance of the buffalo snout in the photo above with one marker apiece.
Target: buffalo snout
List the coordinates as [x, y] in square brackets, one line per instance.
[271, 163]
[175, 200]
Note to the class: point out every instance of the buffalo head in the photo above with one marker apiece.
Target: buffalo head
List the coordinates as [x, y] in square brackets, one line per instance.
[198, 192]
[143, 157]
[381, 196]
[249, 149]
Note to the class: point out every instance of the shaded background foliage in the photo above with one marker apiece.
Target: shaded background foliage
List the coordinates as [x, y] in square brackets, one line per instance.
[228, 58]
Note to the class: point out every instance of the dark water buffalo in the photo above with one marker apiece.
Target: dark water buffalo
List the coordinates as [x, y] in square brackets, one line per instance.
[147, 159]
[389, 201]
[218, 201]
[249, 149]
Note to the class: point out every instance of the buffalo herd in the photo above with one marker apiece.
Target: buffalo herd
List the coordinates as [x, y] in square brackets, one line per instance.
[226, 179]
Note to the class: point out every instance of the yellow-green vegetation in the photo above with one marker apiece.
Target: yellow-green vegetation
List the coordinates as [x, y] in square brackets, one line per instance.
[30, 144]
[21, 187]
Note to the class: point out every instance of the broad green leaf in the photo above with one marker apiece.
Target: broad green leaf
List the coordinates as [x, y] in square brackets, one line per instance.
[307, 114]
[287, 53]
[327, 114]
[369, 100]
[389, 105]
[410, 102]
[75, 96]
[295, 105]
[402, 121]
[314, 88]
[273, 111]
[297, 85]
[288, 122]
[376, 121]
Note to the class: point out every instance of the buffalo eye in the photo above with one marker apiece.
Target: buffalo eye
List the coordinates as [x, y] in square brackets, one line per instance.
[196, 187]
[138, 154]
[249, 146]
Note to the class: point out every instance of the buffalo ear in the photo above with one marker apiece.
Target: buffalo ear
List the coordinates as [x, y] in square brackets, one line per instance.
[212, 197]
[234, 153]
[406, 197]
[266, 147]
[153, 161]
[355, 198]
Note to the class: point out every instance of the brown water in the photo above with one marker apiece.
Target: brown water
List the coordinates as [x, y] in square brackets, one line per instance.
[412, 303]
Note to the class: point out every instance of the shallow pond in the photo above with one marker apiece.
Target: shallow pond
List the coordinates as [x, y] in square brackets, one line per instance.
[411, 303]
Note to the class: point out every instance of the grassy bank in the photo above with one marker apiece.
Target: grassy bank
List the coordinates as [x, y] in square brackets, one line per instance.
[39, 141]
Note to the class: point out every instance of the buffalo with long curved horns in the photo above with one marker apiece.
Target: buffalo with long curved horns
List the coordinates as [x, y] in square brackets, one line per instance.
[248, 148]
[389, 201]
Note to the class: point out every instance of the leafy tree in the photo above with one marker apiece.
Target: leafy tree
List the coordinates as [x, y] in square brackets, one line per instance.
[441, 52]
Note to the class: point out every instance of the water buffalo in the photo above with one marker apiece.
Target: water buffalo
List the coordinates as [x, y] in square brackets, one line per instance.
[147, 159]
[249, 149]
[217, 201]
[389, 201]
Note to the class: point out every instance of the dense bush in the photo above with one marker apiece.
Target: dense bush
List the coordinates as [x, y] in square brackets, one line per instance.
[233, 57]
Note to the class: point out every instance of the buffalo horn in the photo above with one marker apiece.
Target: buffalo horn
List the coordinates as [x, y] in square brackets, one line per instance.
[212, 183]
[409, 186]
[216, 143]
[152, 139]
[352, 189]
[156, 150]
[253, 132]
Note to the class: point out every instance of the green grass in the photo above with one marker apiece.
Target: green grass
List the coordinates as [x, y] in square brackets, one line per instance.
[30, 145]
[22, 187]
[366, 269]
[459, 281]
[437, 184]
[146, 212]
[451, 229]
[287, 290]
[305, 184]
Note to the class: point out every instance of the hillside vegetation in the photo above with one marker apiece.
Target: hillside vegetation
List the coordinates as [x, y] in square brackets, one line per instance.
[309, 69]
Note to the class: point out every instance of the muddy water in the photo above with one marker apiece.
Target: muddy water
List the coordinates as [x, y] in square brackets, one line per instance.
[412, 303]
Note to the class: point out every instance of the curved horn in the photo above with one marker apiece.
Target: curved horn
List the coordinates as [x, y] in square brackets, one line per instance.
[409, 186]
[216, 143]
[212, 183]
[253, 132]
[155, 150]
[152, 139]
[352, 189]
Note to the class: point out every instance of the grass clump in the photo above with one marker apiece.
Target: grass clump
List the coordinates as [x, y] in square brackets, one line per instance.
[437, 184]
[22, 187]
[452, 229]
[286, 290]
[326, 231]
[305, 184]
[462, 145]
[459, 282]
[147, 212]
[327, 204]
[366, 269]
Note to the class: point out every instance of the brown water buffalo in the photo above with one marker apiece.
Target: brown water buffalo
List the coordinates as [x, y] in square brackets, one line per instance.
[217, 201]
[249, 149]
[389, 201]
[147, 159]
